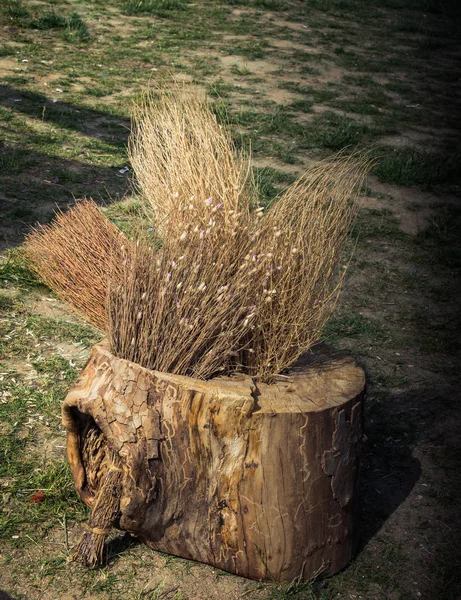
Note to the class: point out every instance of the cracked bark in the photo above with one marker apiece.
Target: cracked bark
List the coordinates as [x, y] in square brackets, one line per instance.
[260, 480]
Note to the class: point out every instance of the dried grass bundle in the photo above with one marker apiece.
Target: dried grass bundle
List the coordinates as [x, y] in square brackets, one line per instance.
[303, 234]
[74, 256]
[183, 159]
[230, 289]
[103, 469]
[227, 288]
[184, 309]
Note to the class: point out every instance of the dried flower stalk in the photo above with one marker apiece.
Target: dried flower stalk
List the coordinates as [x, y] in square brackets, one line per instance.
[182, 159]
[226, 288]
[230, 289]
[304, 232]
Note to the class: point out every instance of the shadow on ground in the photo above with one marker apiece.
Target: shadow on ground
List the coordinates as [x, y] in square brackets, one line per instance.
[398, 426]
[5, 596]
[110, 128]
[35, 180]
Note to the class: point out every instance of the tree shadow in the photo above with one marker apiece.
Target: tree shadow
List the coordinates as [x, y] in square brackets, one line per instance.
[396, 425]
[5, 596]
[34, 181]
[119, 544]
[110, 128]
[46, 183]
[389, 470]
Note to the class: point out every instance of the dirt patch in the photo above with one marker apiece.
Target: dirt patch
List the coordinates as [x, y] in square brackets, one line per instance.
[138, 566]
[409, 220]
[289, 45]
[409, 140]
[256, 67]
[289, 24]
[272, 163]
[52, 308]
[331, 74]
[280, 95]
[52, 445]
[7, 65]
[19, 367]
[412, 196]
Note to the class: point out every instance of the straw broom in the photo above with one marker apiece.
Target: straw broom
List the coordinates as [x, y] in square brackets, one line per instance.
[104, 474]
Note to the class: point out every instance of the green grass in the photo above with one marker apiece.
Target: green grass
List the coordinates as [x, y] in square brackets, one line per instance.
[377, 224]
[27, 415]
[14, 12]
[270, 182]
[354, 325]
[152, 7]
[242, 71]
[76, 30]
[328, 5]
[15, 160]
[318, 95]
[302, 105]
[337, 132]
[32, 329]
[412, 167]
[295, 590]
[73, 27]
[440, 239]
[15, 270]
[50, 20]
[264, 4]
[251, 50]
[271, 4]
[52, 329]
[128, 216]
[7, 50]
[7, 302]
[433, 6]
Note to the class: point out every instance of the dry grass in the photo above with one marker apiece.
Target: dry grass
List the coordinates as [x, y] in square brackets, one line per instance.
[304, 234]
[182, 157]
[74, 256]
[230, 289]
[183, 309]
[103, 470]
[219, 287]
[182, 312]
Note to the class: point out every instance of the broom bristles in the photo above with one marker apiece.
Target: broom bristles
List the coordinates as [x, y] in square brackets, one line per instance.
[106, 506]
[74, 255]
[90, 550]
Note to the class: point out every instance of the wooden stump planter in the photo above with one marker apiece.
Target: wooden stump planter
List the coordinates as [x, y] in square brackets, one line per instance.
[259, 480]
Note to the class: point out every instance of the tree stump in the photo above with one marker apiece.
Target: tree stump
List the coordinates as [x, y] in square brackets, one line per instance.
[256, 479]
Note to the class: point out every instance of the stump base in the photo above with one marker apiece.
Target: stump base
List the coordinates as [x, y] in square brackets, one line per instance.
[259, 480]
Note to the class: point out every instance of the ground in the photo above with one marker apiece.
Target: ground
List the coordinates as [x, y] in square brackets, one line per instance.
[295, 80]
